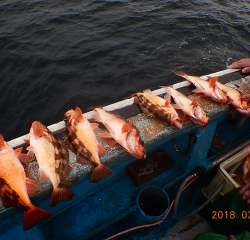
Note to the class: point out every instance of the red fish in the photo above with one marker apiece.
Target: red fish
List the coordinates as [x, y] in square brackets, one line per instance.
[15, 187]
[53, 166]
[238, 100]
[84, 143]
[189, 108]
[206, 88]
[121, 132]
[153, 105]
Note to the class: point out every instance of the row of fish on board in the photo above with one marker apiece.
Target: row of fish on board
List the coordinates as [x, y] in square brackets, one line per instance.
[16, 188]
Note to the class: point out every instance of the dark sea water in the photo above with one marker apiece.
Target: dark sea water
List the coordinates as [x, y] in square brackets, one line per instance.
[56, 55]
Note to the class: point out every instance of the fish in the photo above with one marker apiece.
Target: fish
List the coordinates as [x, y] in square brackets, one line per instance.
[237, 99]
[15, 187]
[121, 132]
[156, 106]
[189, 108]
[206, 88]
[83, 141]
[53, 167]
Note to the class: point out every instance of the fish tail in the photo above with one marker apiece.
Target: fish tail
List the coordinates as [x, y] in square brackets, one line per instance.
[180, 73]
[1, 142]
[100, 172]
[60, 195]
[33, 216]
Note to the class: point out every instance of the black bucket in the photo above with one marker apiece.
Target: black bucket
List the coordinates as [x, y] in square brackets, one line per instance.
[153, 204]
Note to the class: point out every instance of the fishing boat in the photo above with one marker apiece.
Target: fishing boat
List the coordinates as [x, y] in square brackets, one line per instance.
[140, 192]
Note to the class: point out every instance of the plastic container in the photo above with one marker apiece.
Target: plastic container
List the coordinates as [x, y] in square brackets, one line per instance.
[223, 174]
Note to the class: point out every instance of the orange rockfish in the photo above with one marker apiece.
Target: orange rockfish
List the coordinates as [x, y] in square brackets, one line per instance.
[120, 132]
[189, 108]
[153, 105]
[206, 88]
[53, 166]
[238, 100]
[84, 143]
[15, 187]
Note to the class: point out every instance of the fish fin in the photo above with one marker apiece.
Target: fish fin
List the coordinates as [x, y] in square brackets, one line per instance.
[100, 172]
[27, 141]
[101, 150]
[31, 187]
[197, 91]
[212, 81]
[148, 91]
[194, 100]
[38, 129]
[167, 97]
[180, 73]
[1, 142]
[233, 112]
[94, 125]
[176, 106]
[66, 172]
[78, 115]
[82, 160]
[60, 195]
[18, 151]
[96, 116]
[185, 118]
[126, 127]
[6, 201]
[105, 135]
[33, 216]
[24, 157]
[110, 141]
[43, 178]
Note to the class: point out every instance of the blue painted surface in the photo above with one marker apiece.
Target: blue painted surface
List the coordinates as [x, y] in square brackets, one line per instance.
[98, 206]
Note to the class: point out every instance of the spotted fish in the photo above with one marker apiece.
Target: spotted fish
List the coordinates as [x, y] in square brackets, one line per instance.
[189, 108]
[84, 143]
[206, 88]
[120, 132]
[15, 187]
[155, 106]
[53, 166]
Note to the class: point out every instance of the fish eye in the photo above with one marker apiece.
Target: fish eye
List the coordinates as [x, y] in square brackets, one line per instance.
[167, 116]
[66, 118]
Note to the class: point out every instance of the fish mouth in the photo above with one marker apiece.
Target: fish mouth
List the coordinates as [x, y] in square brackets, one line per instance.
[201, 117]
[220, 95]
[135, 145]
